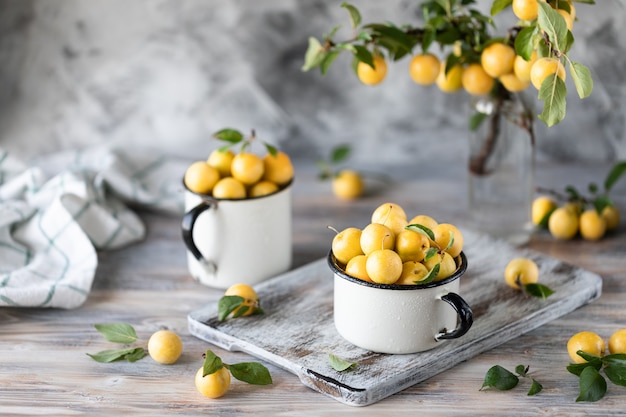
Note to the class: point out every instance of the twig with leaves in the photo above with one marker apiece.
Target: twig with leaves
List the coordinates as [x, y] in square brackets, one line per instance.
[455, 23]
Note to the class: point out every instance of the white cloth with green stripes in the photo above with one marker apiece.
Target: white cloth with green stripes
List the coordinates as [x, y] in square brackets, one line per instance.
[58, 211]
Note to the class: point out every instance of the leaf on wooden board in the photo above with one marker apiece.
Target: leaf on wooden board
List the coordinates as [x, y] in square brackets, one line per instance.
[339, 364]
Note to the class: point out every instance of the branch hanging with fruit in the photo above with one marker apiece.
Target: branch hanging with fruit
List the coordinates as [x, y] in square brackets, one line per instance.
[532, 52]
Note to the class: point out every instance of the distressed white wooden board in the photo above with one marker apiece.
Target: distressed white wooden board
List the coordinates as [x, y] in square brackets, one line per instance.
[297, 331]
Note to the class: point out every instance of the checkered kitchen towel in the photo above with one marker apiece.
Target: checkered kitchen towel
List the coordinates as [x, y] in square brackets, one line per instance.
[56, 213]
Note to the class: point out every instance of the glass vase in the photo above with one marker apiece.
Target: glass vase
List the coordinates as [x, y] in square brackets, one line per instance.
[501, 166]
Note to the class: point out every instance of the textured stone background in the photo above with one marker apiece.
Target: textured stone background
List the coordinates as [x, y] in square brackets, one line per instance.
[168, 73]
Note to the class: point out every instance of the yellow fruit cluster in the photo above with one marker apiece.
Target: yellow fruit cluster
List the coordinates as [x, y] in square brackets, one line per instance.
[395, 250]
[570, 219]
[498, 61]
[236, 176]
[592, 343]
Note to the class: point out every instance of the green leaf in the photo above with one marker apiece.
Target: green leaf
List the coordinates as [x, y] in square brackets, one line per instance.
[327, 61]
[432, 274]
[314, 56]
[394, 39]
[271, 149]
[572, 192]
[614, 175]
[578, 368]
[227, 304]
[582, 79]
[136, 354]
[131, 354]
[553, 92]
[117, 332]
[498, 5]
[355, 16]
[364, 55]
[592, 385]
[339, 364]
[332, 33]
[554, 25]
[521, 370]
[450, 241]
[546, 218]
[212, 363]
[543, 48]
[224, 148]
[430, 253]
[448, 36]
[569, 42]
[364, 36]
[615, 368]
[420, 228]
[251, 372]
[535, 387]
[538, 290]
[524, 42]
[601, 203]
[241, 311]
[587, 356]
[428, 37]
[500, 378]
[476, 120]
[355, 61]
[229, 135]
[445, 4]
[340, 153]
[564, 5]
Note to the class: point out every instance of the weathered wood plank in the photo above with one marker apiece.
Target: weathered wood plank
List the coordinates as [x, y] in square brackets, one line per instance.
[297, 331]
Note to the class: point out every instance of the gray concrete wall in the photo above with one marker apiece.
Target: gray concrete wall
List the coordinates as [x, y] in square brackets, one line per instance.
[169, 73]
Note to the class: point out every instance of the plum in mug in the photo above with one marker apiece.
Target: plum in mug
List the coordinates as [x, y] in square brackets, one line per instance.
[399, 319]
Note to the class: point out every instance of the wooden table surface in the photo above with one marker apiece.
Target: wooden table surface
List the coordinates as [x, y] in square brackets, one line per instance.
[45, 369]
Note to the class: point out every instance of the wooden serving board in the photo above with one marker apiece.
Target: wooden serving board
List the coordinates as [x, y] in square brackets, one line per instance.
[297, 331]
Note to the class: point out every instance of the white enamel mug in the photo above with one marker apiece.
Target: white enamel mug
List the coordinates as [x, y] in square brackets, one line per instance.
[399, 319]
[232, 241]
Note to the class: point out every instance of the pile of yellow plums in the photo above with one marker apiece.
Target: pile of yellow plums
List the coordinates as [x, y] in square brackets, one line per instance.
[569, 220]
[229, 175]
[395, 250]
[498, 61]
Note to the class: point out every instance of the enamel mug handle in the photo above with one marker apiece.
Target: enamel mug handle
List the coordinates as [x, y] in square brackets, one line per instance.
[463, 311]
[189, 220]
